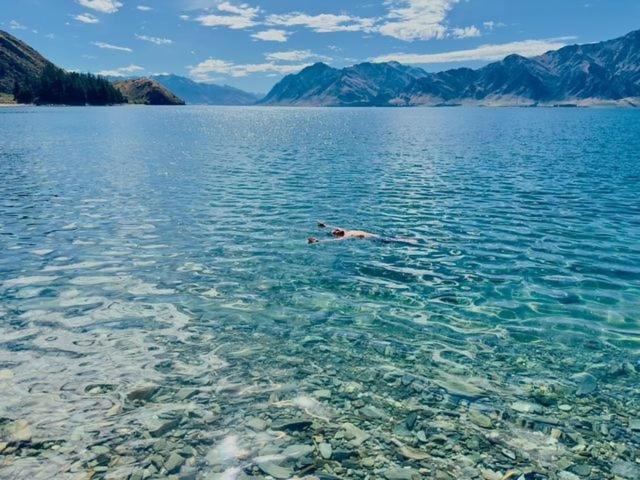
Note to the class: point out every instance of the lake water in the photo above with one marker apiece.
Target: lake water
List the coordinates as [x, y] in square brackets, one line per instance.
[161, 313]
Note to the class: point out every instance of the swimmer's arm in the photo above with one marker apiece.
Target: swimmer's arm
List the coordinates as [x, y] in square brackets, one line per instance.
[313, 240]
[326, 225]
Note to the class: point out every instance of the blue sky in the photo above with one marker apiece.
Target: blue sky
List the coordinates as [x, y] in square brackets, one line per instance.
[251, 44]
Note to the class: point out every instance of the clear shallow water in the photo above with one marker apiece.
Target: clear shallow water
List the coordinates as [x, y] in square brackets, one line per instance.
[166, 248]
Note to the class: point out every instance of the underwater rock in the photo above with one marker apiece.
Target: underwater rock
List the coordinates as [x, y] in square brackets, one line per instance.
[275, 470]
[143, 392]
[325, 450]
[291, 424]
[587, 384]
[401, 474]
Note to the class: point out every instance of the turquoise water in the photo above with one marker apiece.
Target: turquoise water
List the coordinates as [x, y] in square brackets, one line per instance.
[162, 314]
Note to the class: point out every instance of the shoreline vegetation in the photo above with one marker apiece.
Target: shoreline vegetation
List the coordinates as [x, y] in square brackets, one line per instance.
[58, 87]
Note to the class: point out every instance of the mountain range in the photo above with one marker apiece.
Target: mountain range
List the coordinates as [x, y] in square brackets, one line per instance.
[598, 73]
[604, 73]
[196, 93]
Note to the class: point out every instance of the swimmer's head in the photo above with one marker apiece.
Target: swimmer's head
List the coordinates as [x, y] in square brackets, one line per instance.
[313, 240]
[338, 232]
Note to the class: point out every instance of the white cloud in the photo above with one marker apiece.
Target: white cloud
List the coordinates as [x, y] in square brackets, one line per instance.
[466, 32]
[323, 23]
[295, 56]
[271, 35]
[490, 25]
[86, 18]
[526, 48]
[121, 72]
[202, 71]
[104, 6]
[144, 8]
[14, 25]
[184, 17]
[156, 40]
[416, 19]
[236, 17]
[109, 46]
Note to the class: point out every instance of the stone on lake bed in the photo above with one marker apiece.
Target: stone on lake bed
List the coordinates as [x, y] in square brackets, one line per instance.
[324, 394]
[275, 470]
[291, 424]
[373, 413]
[412, 453]
[587, 384]
[354, 435]
[460, 386]
[401, 474]
[297, 451]
[325, 450]
[18, 431]
[490, 474]
[143, 392]
[526, 407]
[173, 463]
[480, 419]
[186, 393]
[158, 427]
[634, 425]
[627, 470]
[564, 475]
[257, 424]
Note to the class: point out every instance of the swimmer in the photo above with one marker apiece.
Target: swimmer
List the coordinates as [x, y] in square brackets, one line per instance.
[340, 234]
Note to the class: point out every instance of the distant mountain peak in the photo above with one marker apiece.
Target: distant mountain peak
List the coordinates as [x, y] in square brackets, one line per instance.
[605, 72]
[196, 93]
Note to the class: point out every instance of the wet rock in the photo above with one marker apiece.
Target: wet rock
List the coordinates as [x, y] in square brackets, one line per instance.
[156, 460]
[565, 407]
[322, 394]
[18, 431]
[480, 419]
[564, 475]
[143, 393]
[341, 454]
[173, 463]
[490, 474]
[460, 386]
[628, 470]
[186, 393]
[137, 475]
[297, 451]
[158, 427]
[291, 424]
[412, 453]
[401, 474]
[587, 384]
[325, 450]
[373, 413]
[581, 469]
[256, 424]
[634, 425]
[275, 470]
[526, 407]
[354, 435]
[410, 421]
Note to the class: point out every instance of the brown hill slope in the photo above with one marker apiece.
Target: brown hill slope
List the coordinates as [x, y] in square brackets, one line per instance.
[145, 91]
[18, 62]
